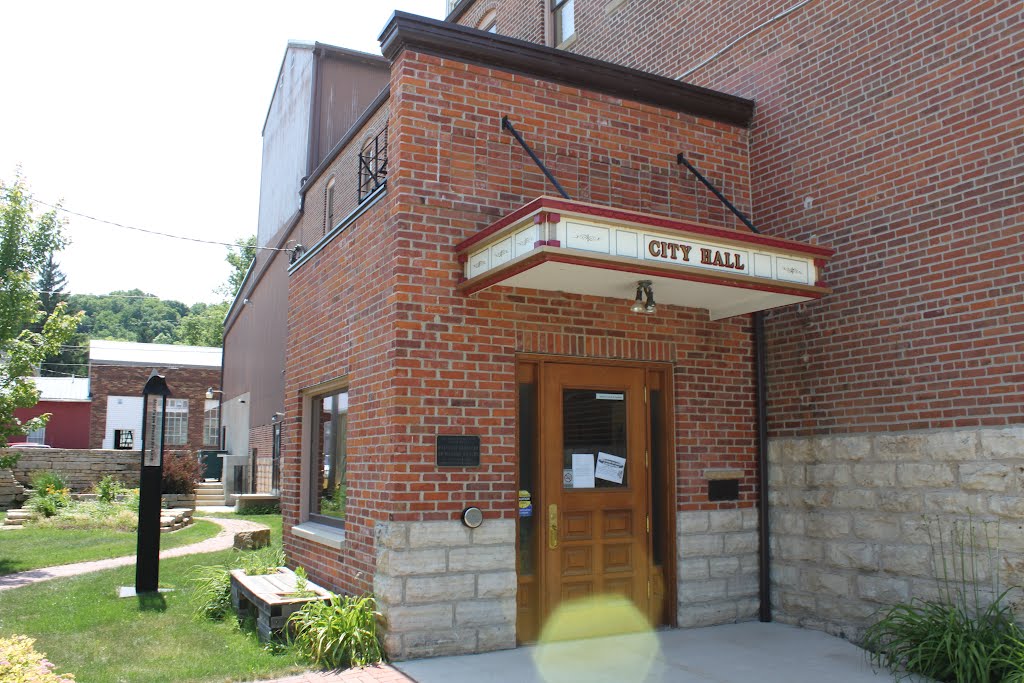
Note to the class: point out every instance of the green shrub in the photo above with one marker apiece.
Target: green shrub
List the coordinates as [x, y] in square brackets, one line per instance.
[965, 636]
[341, 632]
[1013, 660]
[46, 479]
[50, 493]
[92, 515]
[21, 663]
[109, 489]
[268, 509]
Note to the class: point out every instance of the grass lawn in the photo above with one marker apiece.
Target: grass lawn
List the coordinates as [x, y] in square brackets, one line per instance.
[32, 548]
[85, 629]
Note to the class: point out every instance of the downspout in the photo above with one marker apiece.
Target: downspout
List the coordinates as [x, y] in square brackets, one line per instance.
[764, 611]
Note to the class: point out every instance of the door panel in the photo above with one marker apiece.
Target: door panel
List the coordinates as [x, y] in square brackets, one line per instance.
[594, 470]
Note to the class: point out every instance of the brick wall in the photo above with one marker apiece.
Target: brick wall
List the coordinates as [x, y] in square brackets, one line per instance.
[423, 360]
[888, 132]
[189, 383]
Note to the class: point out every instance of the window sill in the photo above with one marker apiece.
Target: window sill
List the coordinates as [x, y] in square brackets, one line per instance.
[330, 536]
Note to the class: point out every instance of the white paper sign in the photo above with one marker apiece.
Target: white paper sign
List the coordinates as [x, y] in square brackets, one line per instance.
[610, 467]
[583, 470]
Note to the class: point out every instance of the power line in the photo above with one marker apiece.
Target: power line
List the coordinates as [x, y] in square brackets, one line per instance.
[56, 207]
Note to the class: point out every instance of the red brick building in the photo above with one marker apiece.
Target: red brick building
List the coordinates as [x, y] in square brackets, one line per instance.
[119, 370]
[589, 374]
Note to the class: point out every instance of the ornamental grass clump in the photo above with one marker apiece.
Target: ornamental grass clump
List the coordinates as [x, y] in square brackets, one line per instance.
[967, 634]
[338, 633]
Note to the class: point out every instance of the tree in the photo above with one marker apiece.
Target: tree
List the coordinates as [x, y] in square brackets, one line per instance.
[204, 325]
[71, 360]
[26, 242]
[239, 257]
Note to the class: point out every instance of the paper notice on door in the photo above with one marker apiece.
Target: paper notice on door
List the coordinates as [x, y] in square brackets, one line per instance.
[610, 467]
[583, 470]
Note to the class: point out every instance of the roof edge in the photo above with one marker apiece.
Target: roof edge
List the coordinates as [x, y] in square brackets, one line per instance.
[443, 39]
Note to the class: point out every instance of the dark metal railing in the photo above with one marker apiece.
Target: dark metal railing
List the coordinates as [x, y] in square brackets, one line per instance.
[373, 165]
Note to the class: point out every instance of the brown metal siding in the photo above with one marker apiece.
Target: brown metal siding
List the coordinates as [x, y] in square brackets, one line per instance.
[346, 89]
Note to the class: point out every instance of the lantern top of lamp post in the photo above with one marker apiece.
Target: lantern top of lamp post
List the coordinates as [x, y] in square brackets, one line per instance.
[156, 386]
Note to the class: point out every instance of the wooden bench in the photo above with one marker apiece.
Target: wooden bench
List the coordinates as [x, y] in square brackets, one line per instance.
[270, 598]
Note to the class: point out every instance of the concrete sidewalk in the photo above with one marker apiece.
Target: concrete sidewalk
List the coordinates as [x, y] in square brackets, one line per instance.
[736, 653]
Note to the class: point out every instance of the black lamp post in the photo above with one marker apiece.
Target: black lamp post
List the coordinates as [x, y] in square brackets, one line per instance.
[154, 414]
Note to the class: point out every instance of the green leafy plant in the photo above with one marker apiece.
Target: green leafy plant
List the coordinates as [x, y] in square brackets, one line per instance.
[181, 472]
[1013, 660]
[966, 634]
[210, 591]
[21, 663]
[267, 509]
[262, 561]
[334, 504]
[340, 632]
[50, 493]
[47, 479]
[302, 589]
[109, 489]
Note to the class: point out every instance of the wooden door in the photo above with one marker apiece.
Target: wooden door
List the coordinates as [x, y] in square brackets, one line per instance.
[595, 483]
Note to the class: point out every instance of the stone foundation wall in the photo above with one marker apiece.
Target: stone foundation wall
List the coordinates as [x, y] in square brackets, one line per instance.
[11, 492]
[446, 589]
[717, 566]
[855, 518]
[83, 468]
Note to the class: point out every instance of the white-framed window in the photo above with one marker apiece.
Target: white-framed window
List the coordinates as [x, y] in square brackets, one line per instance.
[36, 436]
[327, 453]
[176, 422]
[564, 18]
[329, 205]
[210, 422]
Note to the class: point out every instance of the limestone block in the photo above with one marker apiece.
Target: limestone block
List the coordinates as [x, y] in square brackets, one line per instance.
[439, 588]
[494, 531]
[810, 500]
[901, 447]
[828, 475]
[953, 502]
[250, 540]
[959, 445]
[694, 522]
[703, 591]
[907, 560]
[483, 558]
[985, 476]
[876, 526]
[701, 545]
[691, 616]
[874, 475]
[796, 603]
[412, 562]
[1002, 444]
[723, 567]
[744, 542]
[853, 447]
[1011, 507]
[856, 499]
[694, 569]
[785, 575]
[389, 590]
[900, 501]
[726, 520]
[788, 521]
[437, 642]
[828, 583]
[751, 519]
[1011, 536]
[852, 556]
[499, 637]
[797, 549]
[393, 535]
[496, 585]
[927, 475]
[789, 450]
[438, 534]
[742, 585]
[828, 525]
[411, 618]
[485, 612]
[883, 589]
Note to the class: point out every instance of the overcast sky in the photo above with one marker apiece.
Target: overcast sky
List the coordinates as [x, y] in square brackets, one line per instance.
[150, 115]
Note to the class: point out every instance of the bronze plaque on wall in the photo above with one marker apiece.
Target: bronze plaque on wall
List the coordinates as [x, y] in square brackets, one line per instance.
[458, 451]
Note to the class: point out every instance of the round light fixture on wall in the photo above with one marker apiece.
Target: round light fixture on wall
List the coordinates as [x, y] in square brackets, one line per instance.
[472, 517]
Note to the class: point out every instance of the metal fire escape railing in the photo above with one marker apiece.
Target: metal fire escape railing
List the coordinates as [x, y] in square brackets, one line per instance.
[373, 165]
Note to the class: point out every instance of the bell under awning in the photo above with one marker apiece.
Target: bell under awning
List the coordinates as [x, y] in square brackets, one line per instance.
[567, 246]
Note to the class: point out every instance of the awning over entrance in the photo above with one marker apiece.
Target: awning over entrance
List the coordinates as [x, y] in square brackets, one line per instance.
[567, 246]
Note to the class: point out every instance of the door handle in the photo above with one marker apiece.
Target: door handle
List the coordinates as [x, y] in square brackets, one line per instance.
[552, 526]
